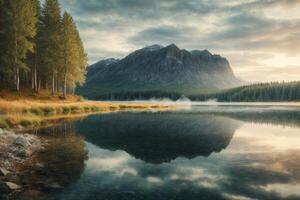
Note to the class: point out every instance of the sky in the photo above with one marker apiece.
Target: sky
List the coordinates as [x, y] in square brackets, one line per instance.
[260, 38]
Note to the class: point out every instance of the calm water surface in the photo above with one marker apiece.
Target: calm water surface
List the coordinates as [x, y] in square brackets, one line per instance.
[206, 152]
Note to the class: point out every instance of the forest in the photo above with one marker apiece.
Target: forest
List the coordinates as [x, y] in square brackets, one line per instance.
[40, 47]
[274, 91]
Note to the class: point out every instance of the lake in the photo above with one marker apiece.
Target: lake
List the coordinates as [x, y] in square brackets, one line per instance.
[202, 152]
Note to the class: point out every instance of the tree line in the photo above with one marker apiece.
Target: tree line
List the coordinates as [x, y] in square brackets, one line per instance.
[274, 91]
[40, 48]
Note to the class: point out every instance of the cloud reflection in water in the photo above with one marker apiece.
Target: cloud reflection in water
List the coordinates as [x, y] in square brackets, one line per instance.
[261, 161]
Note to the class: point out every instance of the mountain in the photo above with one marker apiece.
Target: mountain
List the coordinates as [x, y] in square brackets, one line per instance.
[157, 71]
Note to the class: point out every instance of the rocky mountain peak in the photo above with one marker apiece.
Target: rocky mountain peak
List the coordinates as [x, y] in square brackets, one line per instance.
[154, 47]
[160, 68]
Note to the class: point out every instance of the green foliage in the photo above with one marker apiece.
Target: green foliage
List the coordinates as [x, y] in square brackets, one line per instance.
[87, 109]
[74, 58]
[48, 110]
[25, 123]
[37, 111]
[76, 109]
[95, 109]
[19, 27]
[3, 35]
[49, 41]
[39, 48]
[3, 123]
[114, 92]
[275, 91]
[66, 110]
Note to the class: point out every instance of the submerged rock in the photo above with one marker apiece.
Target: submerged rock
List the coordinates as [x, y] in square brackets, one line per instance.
[8, 186]
[12, 186]
[55, 186]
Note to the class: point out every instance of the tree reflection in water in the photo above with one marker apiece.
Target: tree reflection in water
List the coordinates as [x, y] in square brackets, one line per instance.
[59, 164]
[191, 154]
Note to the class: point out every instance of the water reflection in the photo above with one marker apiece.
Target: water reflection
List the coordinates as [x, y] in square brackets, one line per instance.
[159, 137]
[204, 153]
[55, 167]
[275, 115]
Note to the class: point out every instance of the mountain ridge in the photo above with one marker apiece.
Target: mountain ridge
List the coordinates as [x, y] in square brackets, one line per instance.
[161, 68]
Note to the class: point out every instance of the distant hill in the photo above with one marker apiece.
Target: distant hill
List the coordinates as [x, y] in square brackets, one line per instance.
[157, 71]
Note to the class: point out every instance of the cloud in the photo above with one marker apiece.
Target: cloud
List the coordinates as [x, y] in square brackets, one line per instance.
[162, 35]
[114, 28]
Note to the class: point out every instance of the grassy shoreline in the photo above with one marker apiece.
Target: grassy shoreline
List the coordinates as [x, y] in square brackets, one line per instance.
[30, 113]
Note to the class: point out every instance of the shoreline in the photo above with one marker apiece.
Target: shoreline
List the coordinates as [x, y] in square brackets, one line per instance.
[15, 150]
[17, 117]
[19, 114]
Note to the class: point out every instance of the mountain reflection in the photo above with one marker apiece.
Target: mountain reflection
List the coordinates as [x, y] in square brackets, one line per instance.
[159, 137]
[144, 155]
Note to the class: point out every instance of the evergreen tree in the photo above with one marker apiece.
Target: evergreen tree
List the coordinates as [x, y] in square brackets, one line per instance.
[38, 48]
[49, 46]
[80, 73]
[33, 61]
[20, 31]
[74, 57]
[3, 44]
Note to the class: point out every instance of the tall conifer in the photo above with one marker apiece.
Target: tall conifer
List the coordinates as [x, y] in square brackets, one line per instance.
[22, 18]
[3, 45]
[74, 58]
[50, 41]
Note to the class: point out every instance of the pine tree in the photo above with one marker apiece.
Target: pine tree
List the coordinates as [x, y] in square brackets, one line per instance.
[22, 19]
[80, 73]
[74, 57]
[34, 56]
[3, 44]
[49, 46]
[35, 42]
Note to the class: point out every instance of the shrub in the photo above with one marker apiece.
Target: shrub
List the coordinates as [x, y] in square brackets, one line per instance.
[26, 123]
[87, 109]
[3, 124]
[48, 111]
[66, 110]
[36, 111]
[30, 122]
[58, 110]
[24, 111]
[75, 109]
[95, 108]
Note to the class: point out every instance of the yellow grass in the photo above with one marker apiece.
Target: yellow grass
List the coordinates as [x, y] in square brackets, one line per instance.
[33, 113]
